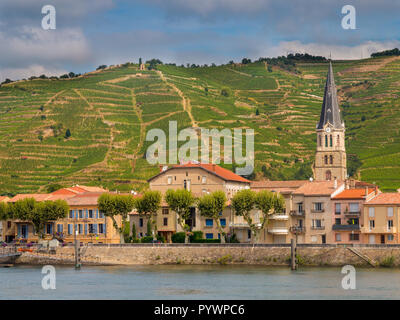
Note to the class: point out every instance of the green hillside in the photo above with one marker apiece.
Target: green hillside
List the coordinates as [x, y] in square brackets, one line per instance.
[108, 113]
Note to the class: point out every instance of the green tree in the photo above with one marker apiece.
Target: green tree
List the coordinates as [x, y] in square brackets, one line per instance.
[211, 206]
[67, 133]
[134, 237]
[4, 211]
[148, 205]
[39, 213]
[53, 187]
[268, 203]
[242, 204]
[180, 201]
[114, 205]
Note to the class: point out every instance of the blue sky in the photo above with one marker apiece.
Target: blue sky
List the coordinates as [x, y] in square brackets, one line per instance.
[94, 32]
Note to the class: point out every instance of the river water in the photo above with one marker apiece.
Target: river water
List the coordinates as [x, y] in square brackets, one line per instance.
[197, 282]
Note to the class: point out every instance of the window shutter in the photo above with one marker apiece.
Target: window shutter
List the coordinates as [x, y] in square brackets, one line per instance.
[97, 213]
[95, 228]
[85, 228]
[19, 230]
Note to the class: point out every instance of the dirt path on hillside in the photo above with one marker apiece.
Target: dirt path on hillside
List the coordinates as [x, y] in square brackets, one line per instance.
[370, 67]
[185, 101]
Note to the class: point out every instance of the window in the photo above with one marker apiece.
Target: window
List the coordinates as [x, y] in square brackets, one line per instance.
[209, 222]
[59, 228]
[80, 214]
[316, 223]
[326, 140]
[8, 224]
[354, 207]
[71, 214]
[101, 215]
[328, 175]
[141, 222]
[319, 141]
[248, 234]
[69, 228]
[338, 237]
[209, 236]
[338, 140]
[331, 159]
[338, 221]
[300, 206]
[49, 228]
[165, 211]
[186, 184]
[223, 222]
[326, 159]
[80, 228]
[354, 237]
[338, 208]
[390, 212]
[330, 140]
[165, 221]
[203, 179]
[390, 237]
[371, 224]
[101, 228]
[318, 206]
[91, 228]
[91, 214]
[390, 224]
[169, 180]
[371, 212]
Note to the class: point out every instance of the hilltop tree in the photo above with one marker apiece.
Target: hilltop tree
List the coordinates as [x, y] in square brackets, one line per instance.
[67, 133]
[148, 205]
[181, 201]
[211, 206]
[39, 213]
[243, 203]
[114, 205]
[268, 203]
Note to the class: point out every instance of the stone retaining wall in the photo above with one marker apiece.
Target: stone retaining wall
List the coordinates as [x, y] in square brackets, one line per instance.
[216, 254]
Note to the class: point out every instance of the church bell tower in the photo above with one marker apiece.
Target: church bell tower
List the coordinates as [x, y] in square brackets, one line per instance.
[330, 157]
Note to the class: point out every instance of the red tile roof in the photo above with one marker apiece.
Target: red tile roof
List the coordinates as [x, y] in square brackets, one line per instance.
[386, 198]
[353, 194]
[211, 168]
[278, 186]
[316, 188]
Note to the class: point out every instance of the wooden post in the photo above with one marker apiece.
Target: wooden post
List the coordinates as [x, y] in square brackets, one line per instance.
[77, 251]
[293, 264]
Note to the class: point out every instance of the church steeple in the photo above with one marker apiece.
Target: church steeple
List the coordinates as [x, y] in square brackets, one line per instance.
[330, 112]
[330, 157]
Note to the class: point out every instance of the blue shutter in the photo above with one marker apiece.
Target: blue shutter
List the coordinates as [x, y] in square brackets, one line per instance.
[85, 228]
[95, 228]
[44, 229]
[86, 211]
[97, 213]
[19, 230]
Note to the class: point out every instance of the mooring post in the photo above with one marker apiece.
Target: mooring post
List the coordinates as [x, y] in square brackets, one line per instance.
[293, 264]
[77, 252]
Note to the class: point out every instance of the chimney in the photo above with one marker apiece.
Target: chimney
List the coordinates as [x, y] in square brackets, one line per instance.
[376, 190]
[160, 166]
[366, 191]
[213, 167]
[352, 183]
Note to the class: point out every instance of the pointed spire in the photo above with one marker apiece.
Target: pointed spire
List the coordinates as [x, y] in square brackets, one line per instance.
[330, 112]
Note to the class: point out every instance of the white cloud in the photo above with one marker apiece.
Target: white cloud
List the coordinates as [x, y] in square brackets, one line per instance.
[339, 52]
[26, 72]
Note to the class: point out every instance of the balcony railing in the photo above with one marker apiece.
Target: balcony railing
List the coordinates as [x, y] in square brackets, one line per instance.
[295, 229]
[279, 216]
[346, 227]
[352, 213]
[317, 227]
[297, 213]
[317, 211]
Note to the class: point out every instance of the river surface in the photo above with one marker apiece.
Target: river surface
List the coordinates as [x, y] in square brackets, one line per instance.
[197, 282]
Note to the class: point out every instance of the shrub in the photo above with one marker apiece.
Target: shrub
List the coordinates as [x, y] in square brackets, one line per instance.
[197, 235]
[148, 239]
[387, 262]
[225, 259]
[178, 237]
[206, 241]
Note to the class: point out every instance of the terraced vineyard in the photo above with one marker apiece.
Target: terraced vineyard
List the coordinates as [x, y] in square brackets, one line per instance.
[108, 113]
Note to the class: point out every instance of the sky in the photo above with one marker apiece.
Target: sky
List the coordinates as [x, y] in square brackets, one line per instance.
[90, 33]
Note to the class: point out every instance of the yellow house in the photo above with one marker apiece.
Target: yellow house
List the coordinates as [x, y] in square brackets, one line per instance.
[381, 219]
[84, 220]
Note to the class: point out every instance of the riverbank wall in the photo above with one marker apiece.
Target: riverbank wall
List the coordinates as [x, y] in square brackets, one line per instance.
[198, 254]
